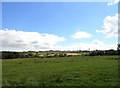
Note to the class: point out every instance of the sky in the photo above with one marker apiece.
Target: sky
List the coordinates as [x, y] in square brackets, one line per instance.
[59, 26]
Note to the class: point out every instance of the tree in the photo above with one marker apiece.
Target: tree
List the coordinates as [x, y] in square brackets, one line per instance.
[8, 55]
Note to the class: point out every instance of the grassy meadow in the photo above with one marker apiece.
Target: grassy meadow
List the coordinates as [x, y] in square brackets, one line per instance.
[61, 71]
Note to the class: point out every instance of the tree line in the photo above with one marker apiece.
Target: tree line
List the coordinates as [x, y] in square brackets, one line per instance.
[29, 54]
[47, 54]
[103, 53]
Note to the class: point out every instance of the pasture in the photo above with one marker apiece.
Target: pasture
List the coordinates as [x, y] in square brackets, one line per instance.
[61, 71]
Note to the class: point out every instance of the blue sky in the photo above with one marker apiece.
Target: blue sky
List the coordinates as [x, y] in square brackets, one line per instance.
[60, 19]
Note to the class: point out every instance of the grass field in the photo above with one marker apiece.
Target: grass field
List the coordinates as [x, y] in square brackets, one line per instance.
[65, 71]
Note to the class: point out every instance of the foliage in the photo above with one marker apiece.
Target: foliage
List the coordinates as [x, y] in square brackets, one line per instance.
[106, 52]
[50, 54]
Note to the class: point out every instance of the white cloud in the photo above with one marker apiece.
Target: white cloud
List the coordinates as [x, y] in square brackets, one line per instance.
[110, 26]
[114, 2]
[81, 34]
[93, 45]
[20, 40]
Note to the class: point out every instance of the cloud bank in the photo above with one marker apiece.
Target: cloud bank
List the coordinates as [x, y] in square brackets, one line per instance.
[25, 41]
[20, 40]
[93, 45]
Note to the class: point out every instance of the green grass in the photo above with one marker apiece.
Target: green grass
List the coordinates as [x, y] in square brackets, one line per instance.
[66, 71]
